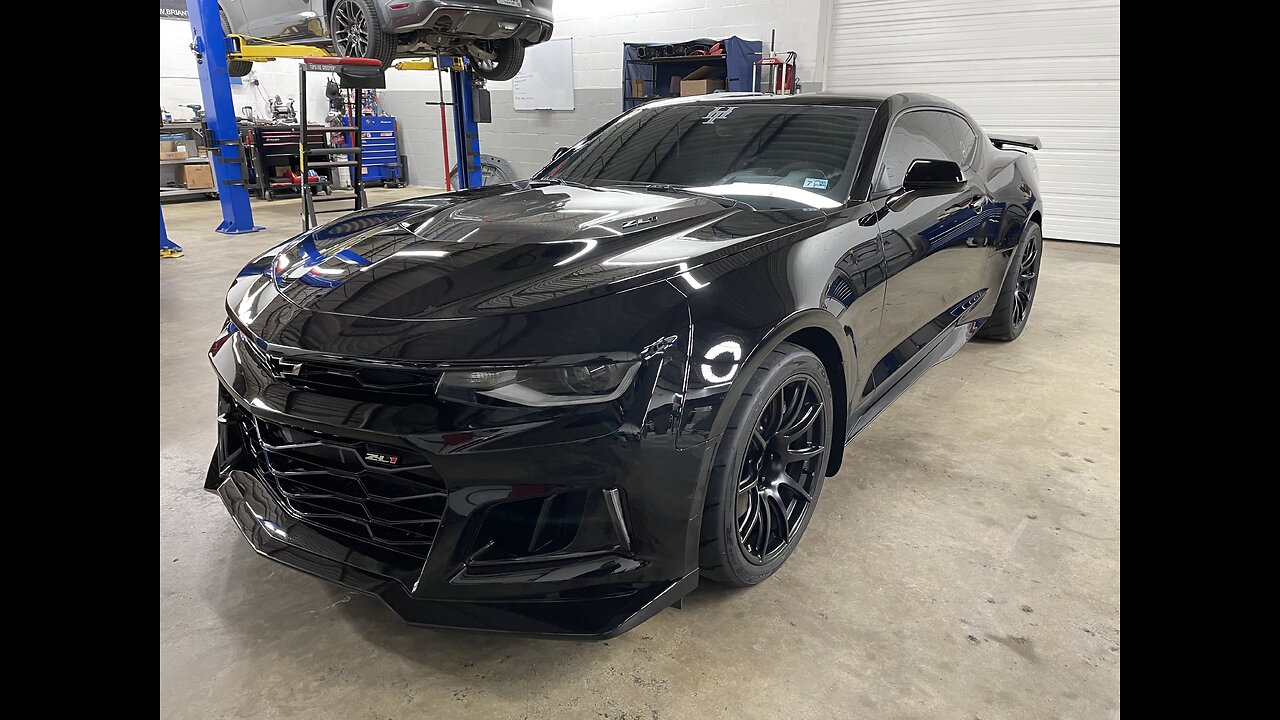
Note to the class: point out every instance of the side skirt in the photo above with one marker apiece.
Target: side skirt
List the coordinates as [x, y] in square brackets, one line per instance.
[942, 348]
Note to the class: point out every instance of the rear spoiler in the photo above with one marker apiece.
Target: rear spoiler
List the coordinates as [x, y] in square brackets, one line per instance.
[1027, 141]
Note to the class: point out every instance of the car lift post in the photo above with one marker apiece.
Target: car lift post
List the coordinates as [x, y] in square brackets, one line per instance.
[210, 45]
[466, 131]
[466, 128]
[168, 248]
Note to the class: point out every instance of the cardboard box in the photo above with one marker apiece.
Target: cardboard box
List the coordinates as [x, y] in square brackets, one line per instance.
[171, 150]
[196, 177]
[637, 87]
[279, 170]
[700, 87]
[700, 82]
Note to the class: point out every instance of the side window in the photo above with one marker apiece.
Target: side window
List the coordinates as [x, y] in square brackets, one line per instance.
[924, 134]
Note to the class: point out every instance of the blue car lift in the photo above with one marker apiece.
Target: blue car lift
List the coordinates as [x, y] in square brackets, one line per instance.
[466, 129]
[213, 48]
[210, 46]
[168, 248]
[466, 125]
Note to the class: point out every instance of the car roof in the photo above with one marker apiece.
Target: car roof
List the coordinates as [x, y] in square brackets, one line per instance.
[851, 98]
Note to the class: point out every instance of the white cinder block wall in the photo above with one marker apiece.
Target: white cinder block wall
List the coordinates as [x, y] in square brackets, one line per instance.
[527, 138]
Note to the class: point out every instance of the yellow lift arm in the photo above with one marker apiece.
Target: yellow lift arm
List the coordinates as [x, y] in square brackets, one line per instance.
[242, 50]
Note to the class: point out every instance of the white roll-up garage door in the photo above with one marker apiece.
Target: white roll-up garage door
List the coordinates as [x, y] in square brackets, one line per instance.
[1023, 67]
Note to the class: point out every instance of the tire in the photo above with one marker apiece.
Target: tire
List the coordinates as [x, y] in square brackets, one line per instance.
[510, 56]
[742, 559]
[356, 31]
[235, 68]
[1018, 291]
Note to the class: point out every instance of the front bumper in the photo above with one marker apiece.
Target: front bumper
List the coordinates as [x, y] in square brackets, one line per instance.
[291, 470]
[277, 535]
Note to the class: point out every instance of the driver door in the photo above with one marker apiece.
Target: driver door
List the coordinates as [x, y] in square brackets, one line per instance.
[934, 245]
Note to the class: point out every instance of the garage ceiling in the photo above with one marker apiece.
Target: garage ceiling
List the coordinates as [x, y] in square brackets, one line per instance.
[1022, 67]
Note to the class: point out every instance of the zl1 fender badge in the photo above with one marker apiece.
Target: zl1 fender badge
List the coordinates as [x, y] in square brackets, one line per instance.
[381, 459]
[640, 221]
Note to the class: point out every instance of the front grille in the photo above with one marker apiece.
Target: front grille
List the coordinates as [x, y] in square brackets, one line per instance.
[393, 380]
[318, 373]
[328, 483]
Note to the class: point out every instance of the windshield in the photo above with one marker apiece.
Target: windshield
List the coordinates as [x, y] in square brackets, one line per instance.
[769, 156]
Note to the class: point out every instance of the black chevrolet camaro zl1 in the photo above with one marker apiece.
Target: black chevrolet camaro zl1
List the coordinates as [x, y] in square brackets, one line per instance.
[549, 407]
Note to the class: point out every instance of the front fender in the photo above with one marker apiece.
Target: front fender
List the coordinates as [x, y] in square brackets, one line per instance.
[717, 379]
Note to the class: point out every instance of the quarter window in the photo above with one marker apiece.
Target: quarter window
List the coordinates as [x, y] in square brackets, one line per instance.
[967, 139]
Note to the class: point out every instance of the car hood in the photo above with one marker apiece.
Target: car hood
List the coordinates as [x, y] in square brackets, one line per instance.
[511, 248]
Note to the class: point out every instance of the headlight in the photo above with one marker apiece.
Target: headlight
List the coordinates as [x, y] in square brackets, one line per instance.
[543, 386]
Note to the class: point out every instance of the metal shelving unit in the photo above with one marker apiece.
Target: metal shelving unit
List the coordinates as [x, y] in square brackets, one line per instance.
[649, 78]
[201, 134]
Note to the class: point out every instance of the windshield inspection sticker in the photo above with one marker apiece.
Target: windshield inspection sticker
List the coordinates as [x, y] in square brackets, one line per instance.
[819, 183]
[719, 112]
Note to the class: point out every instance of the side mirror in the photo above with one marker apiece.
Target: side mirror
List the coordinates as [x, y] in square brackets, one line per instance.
[933, 175]
[560, 151]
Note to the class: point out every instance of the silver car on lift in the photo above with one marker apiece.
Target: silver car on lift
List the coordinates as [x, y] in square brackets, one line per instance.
[493, 33]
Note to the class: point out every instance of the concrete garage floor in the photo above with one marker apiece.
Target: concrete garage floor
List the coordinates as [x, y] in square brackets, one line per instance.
[965, 563]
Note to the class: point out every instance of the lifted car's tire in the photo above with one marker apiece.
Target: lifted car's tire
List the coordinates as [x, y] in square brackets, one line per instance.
[235, 68]
[768, 470]
[356, 31]
[509, 57]
[1018, 291]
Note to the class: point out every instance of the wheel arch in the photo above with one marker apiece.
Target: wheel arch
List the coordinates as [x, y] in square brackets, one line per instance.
[821, 343]
[819, 332]
[379, 8]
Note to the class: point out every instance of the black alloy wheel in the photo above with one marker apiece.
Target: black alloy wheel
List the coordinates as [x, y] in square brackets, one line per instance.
[1025, 291]
[776, 477]
[1018, 291]
[769, 468]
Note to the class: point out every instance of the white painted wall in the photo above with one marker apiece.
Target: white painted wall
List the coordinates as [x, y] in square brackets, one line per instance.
[526, 139]
[598, 28]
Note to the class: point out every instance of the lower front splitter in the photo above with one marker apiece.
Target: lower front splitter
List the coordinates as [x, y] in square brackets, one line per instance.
[275, 534]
